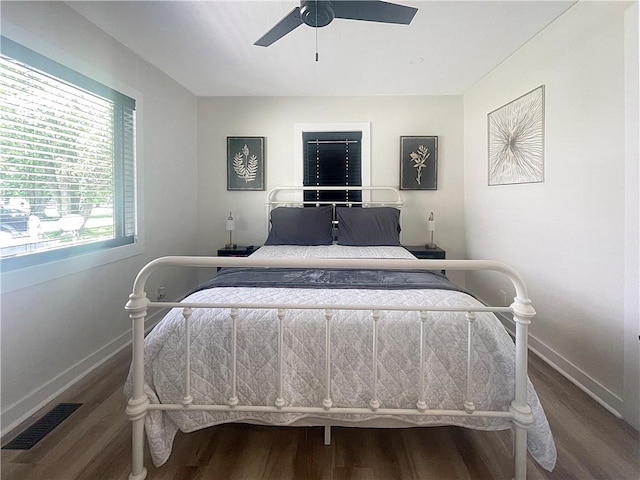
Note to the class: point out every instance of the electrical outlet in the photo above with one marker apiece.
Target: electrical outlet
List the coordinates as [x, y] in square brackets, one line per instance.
[161, 293]
[503, 298]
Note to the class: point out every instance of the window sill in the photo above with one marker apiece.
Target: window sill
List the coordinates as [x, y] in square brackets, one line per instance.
[29, 276]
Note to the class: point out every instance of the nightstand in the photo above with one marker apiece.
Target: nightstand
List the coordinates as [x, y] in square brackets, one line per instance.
[237, 251]
[422, 252]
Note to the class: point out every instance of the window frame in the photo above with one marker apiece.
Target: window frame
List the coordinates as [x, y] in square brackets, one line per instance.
[95, 254]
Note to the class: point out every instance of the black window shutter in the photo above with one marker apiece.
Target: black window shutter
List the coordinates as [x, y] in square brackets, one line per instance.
[332, 159]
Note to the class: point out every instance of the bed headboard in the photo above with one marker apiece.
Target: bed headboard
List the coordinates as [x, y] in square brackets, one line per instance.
[290, 196]
[371, 196]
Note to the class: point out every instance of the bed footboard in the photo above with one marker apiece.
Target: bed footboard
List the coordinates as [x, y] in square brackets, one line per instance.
[519, 413]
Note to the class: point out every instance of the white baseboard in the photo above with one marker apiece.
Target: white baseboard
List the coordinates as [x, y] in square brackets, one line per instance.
[18, 412]
[585, 382]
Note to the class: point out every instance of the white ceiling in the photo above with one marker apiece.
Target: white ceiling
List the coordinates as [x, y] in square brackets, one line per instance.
[207, 46]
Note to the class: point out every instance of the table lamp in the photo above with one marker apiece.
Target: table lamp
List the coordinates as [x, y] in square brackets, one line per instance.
[230, 227]
[431, 227]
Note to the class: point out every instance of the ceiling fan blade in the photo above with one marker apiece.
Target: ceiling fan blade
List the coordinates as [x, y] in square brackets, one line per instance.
[374, 11]
[284, 26]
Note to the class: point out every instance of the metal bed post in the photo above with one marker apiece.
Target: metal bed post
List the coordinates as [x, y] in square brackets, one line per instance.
[280, 400]
[327, 402]
[374, 404]
[523, 312]
[139, 402]
[468, 403]
[187, 399]
[421, 405]
[233, 399]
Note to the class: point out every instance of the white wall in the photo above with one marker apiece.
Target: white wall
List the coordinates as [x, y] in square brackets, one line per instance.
[275, 117]
[54, 331]
[566, 235]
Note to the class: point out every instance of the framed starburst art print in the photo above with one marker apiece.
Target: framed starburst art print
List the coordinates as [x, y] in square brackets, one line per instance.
[245, 163]
[418, 163]
[516, 140]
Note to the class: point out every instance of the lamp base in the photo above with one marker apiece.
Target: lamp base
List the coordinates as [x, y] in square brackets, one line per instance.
[230, 245]
[430, 246]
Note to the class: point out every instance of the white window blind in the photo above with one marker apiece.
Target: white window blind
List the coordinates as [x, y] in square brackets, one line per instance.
[67, 163]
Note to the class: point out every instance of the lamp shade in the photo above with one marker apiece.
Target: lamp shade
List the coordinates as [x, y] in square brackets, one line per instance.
[431, 227]
[231, 223]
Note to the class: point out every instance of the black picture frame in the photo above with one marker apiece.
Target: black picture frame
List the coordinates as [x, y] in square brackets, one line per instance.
[245, 163]
[418, 163]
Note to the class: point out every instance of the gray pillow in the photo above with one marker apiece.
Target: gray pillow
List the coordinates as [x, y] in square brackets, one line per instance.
[301, 226]
[368, 226]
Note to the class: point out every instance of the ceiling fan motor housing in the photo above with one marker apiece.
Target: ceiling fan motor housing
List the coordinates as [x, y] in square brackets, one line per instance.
[316, 13]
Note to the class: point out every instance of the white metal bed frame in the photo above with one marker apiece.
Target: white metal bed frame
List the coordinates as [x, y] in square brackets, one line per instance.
[519, 413]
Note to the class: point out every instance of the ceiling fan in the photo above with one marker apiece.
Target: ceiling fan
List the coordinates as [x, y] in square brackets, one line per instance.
[320, 13]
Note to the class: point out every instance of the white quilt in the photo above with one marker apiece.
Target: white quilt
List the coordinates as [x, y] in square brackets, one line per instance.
[351, 340]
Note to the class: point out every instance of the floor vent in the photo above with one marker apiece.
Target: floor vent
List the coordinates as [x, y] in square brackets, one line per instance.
[42, 427]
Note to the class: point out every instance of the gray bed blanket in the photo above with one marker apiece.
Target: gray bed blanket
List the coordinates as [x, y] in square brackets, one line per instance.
[330, 278]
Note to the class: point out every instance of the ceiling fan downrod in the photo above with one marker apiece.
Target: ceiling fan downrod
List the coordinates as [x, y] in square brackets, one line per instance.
[317, 29]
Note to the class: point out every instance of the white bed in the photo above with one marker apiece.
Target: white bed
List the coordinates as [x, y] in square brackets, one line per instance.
[250, 363]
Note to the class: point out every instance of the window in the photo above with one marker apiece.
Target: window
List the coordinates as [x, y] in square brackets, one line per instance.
[67, 163]
[332, 159]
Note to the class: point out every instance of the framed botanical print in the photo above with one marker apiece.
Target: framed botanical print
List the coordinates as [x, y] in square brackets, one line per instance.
[245, 163]
[418, 163]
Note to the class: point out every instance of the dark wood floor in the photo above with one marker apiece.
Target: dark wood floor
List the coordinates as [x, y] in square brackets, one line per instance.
[94, 444]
